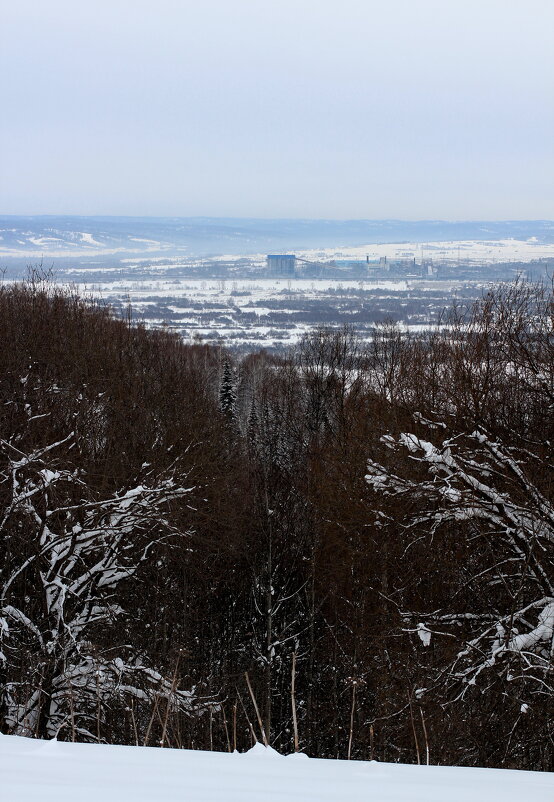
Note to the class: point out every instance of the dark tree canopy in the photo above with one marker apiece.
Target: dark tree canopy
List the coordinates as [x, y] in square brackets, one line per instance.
[181, 528]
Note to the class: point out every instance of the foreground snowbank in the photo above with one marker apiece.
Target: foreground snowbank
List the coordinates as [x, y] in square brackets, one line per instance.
[50, 771]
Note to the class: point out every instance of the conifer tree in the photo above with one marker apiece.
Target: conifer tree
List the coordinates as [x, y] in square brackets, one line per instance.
[227, 392]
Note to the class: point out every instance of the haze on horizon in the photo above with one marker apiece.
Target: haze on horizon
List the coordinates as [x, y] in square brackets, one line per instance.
[311, 109]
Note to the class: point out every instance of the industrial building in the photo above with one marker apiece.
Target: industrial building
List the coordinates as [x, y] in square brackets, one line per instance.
[281, 264]
[287, 265]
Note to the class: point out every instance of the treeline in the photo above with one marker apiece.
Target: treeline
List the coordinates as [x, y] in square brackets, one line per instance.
[348, 551]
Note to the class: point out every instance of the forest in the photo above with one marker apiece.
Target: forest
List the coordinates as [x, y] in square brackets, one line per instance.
[347, 550]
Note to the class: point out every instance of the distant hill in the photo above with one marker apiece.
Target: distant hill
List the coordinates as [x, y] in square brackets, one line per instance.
[86, 237]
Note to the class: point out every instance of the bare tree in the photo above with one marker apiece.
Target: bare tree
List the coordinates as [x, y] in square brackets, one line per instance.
[484, 492]
[69, 551]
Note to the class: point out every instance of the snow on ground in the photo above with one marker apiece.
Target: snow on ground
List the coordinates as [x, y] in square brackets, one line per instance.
[252, 290]
[254, 311]
[479, 251]
[465, 251]
[51, 771]
[88, 239]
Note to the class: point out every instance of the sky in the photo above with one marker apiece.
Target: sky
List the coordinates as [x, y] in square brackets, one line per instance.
[410, 109]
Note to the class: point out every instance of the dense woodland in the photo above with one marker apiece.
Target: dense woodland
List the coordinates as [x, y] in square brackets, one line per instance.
[348, 551]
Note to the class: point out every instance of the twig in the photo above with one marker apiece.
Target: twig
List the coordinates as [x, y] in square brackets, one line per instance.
[354, 685]
[414, 730]
[425, 735]
[264, 736]
[293, 702]
[247, 719]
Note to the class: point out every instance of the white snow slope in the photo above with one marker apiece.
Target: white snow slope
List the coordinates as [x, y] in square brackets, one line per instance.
[52, 771]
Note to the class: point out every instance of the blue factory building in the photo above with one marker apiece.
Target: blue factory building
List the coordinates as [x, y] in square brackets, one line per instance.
[281, 264]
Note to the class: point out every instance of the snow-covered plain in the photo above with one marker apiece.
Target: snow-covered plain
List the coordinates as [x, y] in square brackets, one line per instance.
[255, 290]
[60, 244]
[258, 312]
[469, 251]
[51, 771]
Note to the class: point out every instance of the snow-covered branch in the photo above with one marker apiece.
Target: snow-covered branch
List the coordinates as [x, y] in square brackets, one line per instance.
[474, 484]
[77, 548]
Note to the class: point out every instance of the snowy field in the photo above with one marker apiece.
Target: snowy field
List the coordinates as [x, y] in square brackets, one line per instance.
[466, 251]
[472, 251]
[274, 312]
[50, 771]
[253, 290]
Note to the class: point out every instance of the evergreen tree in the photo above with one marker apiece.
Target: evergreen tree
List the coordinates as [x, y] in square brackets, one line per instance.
[227, 392]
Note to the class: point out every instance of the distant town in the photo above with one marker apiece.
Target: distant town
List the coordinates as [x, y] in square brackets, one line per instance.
[292, 266]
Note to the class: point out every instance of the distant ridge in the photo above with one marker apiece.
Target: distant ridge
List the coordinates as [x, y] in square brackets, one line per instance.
[67, 235]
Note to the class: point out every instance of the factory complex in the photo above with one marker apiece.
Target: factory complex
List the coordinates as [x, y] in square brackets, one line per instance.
[291, 266]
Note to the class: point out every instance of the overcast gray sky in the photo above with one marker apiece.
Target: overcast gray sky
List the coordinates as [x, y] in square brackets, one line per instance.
[278, 108]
